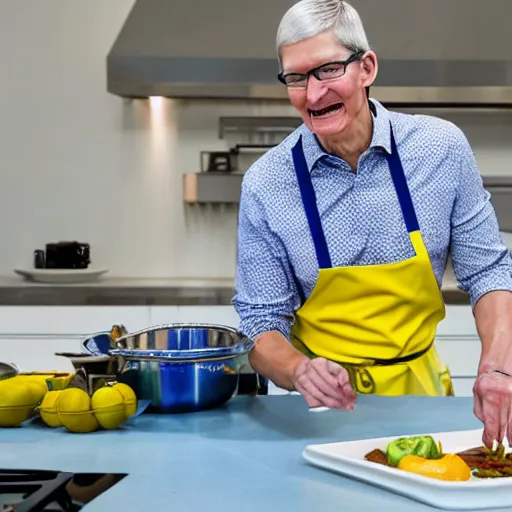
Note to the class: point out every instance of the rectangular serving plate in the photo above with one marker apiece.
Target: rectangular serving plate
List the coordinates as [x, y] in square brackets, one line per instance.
[347, 458]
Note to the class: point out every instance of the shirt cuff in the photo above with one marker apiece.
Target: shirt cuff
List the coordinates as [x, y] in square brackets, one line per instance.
[492, 282]
[254, 326]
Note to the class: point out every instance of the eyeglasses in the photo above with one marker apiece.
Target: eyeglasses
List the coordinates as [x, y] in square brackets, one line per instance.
[328, 71]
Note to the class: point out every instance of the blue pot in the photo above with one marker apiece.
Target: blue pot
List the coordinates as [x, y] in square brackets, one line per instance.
[183, 367]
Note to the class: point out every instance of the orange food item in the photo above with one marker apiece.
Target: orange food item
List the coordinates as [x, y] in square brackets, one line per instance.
[449, 467]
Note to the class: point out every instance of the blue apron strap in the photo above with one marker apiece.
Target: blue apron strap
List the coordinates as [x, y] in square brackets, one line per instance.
[307, 193]
[402, 190]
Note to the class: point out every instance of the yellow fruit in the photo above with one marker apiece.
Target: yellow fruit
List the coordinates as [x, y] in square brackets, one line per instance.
[449, 467]
[48, 409]
[108, 407]
[74, 411]
[17, 402]
[129, 398]
[36, 384]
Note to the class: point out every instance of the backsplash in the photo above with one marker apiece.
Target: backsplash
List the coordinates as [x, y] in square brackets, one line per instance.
[79, 164]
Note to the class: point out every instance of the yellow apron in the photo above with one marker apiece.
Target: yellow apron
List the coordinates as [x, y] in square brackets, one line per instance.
[377, 321]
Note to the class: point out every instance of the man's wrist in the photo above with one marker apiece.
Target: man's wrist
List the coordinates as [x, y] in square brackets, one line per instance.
[293, 372]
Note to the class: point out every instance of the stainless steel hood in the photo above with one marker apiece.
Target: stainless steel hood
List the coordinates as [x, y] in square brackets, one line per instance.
[440, 51]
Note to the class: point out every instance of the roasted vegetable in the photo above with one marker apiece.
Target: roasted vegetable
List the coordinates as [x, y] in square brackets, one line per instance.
[377, 456]
[487, 463]
[449, 467]
[422, 446]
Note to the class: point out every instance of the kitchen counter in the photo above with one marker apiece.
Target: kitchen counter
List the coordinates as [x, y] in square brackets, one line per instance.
[245, 456]
[14, 291]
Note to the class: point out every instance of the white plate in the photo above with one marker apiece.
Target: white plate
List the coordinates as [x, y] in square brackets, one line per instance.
[63, 276]
[348, 459]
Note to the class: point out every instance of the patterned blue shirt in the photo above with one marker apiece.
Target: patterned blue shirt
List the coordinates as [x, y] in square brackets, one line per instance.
[361, 217]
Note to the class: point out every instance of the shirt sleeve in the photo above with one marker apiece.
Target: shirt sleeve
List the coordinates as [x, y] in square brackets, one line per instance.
[266, 295]
[481, 261]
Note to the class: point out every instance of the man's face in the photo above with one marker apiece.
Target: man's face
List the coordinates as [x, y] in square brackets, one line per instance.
[328, 106]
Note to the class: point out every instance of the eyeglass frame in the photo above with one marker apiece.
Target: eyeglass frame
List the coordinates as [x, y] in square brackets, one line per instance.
[355, 57]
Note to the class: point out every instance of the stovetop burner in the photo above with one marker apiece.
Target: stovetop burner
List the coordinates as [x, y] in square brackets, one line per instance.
[51, 491]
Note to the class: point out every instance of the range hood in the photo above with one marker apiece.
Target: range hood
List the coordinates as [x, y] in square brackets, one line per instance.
[440, 51]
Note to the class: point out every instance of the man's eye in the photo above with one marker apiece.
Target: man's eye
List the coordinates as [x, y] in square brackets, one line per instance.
[331, 69]
[291, 79]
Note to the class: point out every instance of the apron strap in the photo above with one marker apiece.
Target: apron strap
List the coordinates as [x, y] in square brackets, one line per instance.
[402, 190]
[307, 193]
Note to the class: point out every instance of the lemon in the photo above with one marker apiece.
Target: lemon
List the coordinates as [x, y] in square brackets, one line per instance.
[48, 409]
[74, 411]
[37, 385]
[129, 398]
[108, 407]
[17, 402]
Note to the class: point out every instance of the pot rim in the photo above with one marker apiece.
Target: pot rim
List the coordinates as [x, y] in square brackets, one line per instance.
[243, 346]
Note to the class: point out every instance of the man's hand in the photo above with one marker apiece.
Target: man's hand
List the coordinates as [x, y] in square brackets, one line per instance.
[493, 386]
[493, 406]
[324, 383]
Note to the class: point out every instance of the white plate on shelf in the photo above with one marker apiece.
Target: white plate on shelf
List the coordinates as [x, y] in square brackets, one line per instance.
[347, 458]
[61, 276]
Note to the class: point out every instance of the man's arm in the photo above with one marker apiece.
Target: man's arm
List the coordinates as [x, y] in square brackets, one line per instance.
[274, 357]
[266, 294]
[481, 261]
[483, 266]
[493, 314]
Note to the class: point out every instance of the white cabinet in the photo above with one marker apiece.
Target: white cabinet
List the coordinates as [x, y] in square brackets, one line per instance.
[36, 353]
[69, 319]
[221, 315]
[459, 346]
[30, 336]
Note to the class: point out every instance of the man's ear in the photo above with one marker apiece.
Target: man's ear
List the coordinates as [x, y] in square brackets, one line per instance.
[369, 68]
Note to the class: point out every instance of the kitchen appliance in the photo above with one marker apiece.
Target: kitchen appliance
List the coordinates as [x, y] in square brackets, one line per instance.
[183, 367]
[37, 491]
[63, 255]
[221, 175]
[227, 161]
[434, 52]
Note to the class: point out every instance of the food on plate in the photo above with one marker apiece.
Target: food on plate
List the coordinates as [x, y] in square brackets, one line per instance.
[423, 446]
[377, 456]
[424, 456]
[486, 463]
[447, 467]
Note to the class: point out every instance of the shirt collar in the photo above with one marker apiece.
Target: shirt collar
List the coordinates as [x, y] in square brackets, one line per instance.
[313, 151]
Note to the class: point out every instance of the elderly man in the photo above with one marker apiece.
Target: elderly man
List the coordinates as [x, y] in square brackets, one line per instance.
[345, 229]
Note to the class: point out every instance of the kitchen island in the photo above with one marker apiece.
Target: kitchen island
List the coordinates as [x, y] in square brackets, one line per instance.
[245, 456]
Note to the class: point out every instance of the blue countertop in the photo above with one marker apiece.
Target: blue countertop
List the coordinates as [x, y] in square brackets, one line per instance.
[246, 456]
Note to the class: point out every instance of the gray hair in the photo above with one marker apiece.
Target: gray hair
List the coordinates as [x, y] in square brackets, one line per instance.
[308, 18]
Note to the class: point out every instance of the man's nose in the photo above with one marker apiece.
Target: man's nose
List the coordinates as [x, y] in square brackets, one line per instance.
[315, 90]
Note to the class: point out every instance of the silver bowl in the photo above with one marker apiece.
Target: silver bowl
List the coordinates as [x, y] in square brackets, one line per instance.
[183, 367]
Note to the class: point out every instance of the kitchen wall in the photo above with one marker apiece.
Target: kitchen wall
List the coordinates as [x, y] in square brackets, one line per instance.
[78, 163]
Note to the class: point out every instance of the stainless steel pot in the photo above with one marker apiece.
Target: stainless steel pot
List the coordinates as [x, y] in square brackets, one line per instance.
[183, 367]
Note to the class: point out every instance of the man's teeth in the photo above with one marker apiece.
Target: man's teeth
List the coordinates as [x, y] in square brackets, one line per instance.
[330, 108]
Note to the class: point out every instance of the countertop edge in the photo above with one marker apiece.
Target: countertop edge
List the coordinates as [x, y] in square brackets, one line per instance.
[119, 291]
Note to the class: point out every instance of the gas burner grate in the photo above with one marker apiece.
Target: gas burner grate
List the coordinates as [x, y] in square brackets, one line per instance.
[40, 488]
